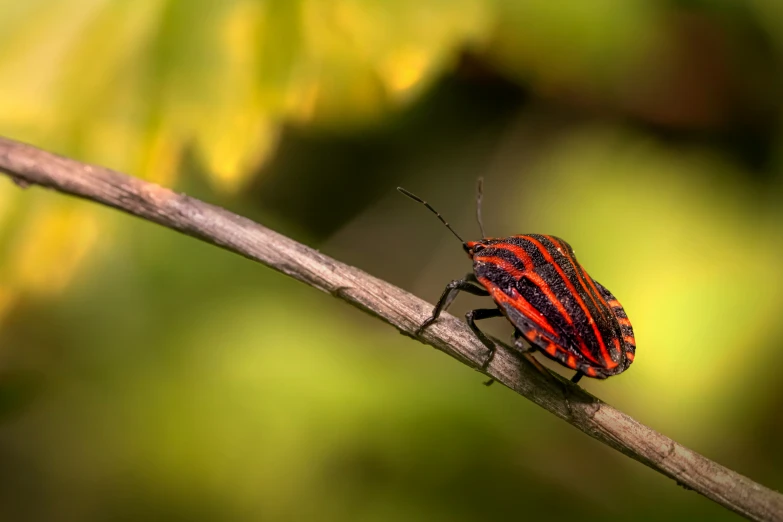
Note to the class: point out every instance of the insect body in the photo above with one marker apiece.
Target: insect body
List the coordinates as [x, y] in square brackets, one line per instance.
[553, 303]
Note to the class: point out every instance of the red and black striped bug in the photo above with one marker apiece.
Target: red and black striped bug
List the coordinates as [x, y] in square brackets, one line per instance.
[554, 305]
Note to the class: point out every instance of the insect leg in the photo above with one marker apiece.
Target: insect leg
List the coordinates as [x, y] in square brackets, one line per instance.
[469, 278]
[576, 377]
[477, 315]
[528, 351]
[452, 289]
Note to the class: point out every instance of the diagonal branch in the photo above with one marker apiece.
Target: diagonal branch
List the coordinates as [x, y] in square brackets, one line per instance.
[28, 165]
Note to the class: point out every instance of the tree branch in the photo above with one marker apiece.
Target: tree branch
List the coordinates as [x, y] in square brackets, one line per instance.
[27, 165]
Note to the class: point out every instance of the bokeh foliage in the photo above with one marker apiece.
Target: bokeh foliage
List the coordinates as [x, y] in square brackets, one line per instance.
[146, 376]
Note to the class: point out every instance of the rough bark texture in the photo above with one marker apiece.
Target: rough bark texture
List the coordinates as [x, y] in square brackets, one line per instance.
[27, 165]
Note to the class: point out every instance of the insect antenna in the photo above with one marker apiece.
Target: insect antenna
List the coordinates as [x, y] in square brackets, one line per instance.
[414, 197]
[479, 195]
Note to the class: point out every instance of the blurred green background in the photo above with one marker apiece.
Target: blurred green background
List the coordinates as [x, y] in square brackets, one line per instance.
[147, 376]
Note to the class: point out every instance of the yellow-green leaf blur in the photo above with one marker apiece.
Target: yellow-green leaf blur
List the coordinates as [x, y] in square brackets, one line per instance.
[146, 376]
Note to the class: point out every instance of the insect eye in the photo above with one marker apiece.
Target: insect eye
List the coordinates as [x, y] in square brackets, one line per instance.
[478, 248]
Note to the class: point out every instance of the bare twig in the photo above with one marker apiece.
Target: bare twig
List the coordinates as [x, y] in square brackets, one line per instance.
[27, 165]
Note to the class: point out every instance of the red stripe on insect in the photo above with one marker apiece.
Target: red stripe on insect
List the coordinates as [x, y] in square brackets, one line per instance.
[581, 276]
[630, 339]
[519, 303]
[537, 280]
[533, 277]
[595, 289]
[503, 264]
[572, 289]
[580, 272]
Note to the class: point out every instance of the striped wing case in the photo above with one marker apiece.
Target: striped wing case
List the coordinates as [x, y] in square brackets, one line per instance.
[542, 289]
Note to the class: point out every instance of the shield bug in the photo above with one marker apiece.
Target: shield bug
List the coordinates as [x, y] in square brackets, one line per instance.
[549, 298]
